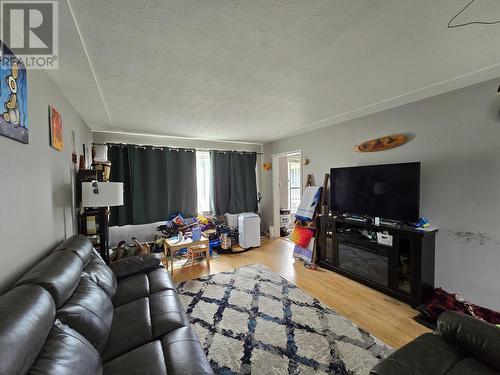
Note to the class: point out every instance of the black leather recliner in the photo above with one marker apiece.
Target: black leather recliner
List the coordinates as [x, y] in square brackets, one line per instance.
[462, 345]
[71, 314]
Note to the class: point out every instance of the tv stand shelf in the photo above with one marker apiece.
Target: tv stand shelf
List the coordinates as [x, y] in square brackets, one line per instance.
[404, 270]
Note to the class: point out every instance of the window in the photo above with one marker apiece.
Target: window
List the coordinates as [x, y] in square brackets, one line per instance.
[293, 185]
[203, 179]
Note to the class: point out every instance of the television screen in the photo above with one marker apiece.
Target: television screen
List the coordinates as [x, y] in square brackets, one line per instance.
[390, 191]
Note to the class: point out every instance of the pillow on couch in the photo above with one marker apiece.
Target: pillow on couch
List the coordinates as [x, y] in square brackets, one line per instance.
[136, 264]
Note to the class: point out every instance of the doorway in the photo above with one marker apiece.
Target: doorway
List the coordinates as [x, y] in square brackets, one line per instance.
[287, 190]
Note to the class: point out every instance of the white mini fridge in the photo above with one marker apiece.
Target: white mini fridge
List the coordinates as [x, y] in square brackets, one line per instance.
[249, 230]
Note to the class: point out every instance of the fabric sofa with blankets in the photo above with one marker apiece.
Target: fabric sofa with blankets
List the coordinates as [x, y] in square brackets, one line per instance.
[462, 345]
[71, 314]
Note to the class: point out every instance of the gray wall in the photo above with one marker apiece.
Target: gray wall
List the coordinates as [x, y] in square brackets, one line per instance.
[104, 137]
[107, 137]
[36, 182]
[456, 137]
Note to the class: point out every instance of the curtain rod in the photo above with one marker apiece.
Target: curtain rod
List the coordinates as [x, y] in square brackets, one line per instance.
[163, 146]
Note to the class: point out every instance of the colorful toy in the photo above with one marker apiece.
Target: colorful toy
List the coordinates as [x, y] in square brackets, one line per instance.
[422, 223]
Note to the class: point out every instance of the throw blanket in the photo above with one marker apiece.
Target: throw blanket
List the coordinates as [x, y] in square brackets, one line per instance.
[441, 301]
[308, 203]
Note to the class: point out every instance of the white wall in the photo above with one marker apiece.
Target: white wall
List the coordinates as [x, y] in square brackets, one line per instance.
[457, 138]
[36, 182]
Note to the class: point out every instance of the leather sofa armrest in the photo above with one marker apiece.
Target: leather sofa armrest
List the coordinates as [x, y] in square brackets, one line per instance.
[478, 338]
[134, 265]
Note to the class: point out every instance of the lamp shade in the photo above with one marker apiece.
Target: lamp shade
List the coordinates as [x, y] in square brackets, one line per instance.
[102, 194]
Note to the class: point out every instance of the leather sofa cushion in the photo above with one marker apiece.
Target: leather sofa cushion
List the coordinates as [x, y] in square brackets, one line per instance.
[66, 352]
[471, 366]
[27, 313]
[142, 285]
[167, 312]
[59, 273]
[146, 359]
[176, 353]
[144, 320]
[78, 244]
[131, 328]
[101, 274]
[439, 355]
[474, 336]
[185, 341]
[90, 312]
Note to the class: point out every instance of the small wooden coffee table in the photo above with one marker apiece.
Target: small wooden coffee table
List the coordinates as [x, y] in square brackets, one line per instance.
[173, 245]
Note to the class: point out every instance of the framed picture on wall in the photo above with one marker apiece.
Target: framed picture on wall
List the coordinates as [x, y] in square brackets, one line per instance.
[56, 129]
[13, 98]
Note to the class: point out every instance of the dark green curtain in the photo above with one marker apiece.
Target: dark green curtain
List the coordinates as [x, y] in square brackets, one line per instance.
[181, 182]
[120, 172]
[234, 182]
[157, 182]
[148, 171]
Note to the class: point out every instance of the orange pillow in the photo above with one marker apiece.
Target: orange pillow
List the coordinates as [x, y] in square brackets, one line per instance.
[302, 236]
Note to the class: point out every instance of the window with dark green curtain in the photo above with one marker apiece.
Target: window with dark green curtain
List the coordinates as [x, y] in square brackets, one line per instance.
[181, 182]
[148, 170]
[120, 172]
[234, 182]
[158, 182]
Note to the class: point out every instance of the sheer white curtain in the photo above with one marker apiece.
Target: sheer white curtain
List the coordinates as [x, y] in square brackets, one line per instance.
[203, 177]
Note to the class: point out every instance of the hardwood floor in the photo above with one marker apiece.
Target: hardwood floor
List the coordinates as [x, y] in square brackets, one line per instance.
[385, 317]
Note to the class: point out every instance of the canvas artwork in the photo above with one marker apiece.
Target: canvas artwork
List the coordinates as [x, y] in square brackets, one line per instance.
[56, 129]
[13, 98]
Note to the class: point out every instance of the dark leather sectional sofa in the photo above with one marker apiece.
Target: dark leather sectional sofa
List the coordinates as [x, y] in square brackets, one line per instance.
[71, 314]
[462, 345]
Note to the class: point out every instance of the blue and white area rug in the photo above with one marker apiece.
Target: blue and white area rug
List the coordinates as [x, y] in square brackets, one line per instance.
[253, 321]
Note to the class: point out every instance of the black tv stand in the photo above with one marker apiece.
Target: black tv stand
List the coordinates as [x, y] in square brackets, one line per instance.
[404, 270]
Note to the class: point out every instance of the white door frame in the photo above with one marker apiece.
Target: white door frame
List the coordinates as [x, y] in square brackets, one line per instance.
[276, 185]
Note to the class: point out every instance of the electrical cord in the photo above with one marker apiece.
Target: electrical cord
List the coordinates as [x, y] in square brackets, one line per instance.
[450, 26]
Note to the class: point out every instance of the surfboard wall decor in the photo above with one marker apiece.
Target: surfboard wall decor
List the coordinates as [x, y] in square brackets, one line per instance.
[381, 144]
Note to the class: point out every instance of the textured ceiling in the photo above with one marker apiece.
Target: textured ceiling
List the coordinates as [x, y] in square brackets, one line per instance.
[256, 70]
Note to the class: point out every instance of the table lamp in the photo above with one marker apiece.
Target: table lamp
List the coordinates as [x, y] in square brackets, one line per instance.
[100, 196]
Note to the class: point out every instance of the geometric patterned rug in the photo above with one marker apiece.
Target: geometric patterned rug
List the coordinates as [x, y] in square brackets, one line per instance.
[253, 321]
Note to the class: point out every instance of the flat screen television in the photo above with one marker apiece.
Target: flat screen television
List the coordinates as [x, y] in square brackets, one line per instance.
[389, 191]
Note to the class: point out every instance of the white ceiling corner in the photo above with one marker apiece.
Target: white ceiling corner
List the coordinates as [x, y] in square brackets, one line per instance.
[264, 69]
[75, 76]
